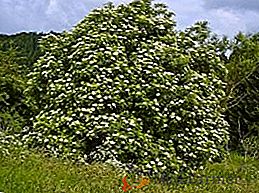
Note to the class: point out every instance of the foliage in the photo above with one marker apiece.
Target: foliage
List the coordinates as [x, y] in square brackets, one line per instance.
[26, 48]
[12, 85]
[250, 146]
[17, 53]
[243, 87]
[125, 87]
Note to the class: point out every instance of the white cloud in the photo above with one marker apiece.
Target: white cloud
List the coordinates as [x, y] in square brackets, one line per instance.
[224, 16]
[226, 22]
[222, 20]
[232, 4]
[52, 7]
[232, 16]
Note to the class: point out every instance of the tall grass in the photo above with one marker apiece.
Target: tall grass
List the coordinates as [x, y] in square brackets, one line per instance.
[34, 173]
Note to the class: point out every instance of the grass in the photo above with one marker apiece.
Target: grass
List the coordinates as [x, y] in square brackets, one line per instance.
[36, 173]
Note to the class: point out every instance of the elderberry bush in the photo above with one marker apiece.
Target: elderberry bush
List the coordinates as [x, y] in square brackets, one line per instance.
[124, 86]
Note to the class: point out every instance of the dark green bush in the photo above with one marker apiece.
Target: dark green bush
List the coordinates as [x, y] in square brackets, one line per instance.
[124, 86]
[243, 87]
[12, 84]
[17, 54]
[26, 48]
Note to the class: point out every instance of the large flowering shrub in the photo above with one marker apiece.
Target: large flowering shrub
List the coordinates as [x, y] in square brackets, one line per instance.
[124, 86]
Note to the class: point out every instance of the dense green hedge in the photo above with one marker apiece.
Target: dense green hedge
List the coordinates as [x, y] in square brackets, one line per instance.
[25, 45]
[17, 54]
[123, 86]
[12, 85]
[243, 89]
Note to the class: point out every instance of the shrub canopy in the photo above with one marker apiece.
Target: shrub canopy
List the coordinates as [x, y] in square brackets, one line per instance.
[125, 86]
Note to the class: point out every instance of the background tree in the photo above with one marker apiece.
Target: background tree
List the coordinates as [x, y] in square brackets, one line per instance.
[12, 84]
[17, 54]
[243, 87]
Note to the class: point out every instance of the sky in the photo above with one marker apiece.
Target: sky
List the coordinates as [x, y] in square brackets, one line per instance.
[226, 17]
